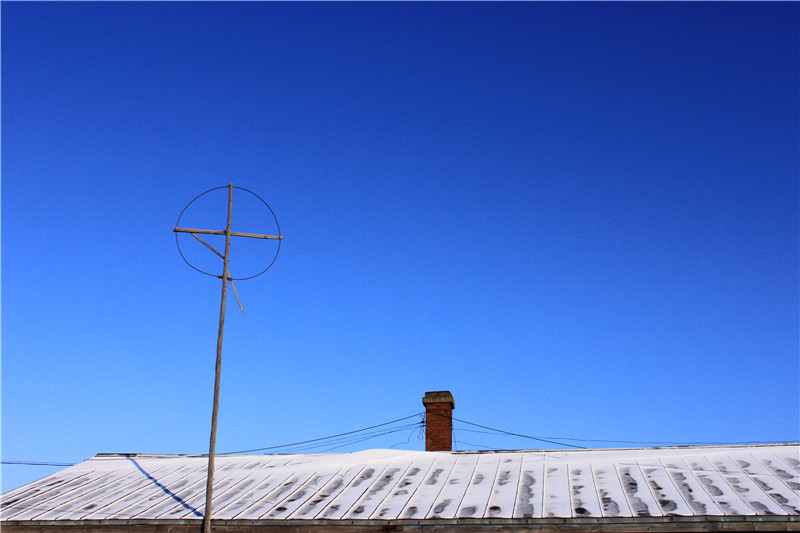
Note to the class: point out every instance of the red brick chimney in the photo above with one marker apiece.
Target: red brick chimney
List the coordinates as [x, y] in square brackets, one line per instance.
[439, 407]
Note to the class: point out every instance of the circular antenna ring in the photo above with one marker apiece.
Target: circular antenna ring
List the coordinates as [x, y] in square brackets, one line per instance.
[277, 224]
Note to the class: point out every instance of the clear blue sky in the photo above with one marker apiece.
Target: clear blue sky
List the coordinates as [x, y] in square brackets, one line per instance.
[581, 219]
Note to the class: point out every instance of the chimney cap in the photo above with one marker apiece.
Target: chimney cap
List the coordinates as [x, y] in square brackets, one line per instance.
[440, 396]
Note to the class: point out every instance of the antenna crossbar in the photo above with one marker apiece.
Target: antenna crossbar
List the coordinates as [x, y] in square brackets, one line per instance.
[232, 233]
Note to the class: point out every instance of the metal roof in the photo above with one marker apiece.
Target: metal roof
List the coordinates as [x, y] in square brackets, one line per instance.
[746, 481]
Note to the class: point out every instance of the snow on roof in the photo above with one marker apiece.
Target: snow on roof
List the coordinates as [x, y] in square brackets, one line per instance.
[399, 485]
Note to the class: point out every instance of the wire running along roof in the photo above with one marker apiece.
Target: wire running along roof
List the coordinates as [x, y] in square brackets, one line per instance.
[391, 484]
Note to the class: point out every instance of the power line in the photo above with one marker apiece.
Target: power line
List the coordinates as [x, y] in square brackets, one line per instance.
[35, 463]
[520, 434]
[322, 438]
[420, 428]
[505, 432]
[351, 439]
[388, 432]
[655, 443]
[473, 444]
[552, 440]
[512, 433]
[340, 440]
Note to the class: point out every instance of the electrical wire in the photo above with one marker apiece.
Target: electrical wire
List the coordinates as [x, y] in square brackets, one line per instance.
[357, 440]
[473, 444]
[654, 443]
[36, 463]
[516, 434]
[340, 440]
[552, 440]
[321, 438]
[408, 440]
[521, 435]
[345, 441]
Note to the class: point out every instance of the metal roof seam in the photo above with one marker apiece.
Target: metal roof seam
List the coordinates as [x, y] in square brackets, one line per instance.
[243, 482]
[51, 492]
[390, 488]
[373, 478]
[307, 491]
[596, 490]
[515, 501]
[162, 484]
[788, 466]
[453, 491]
[370, 488]
[780, 479]
[280, 493]
[419, 475]
[334, 504]
[725, 475]
[267, 485]
[475, 480]
[516, 510]
[433, 480]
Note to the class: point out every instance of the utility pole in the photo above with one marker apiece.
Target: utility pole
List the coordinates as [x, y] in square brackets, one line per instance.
[225, 279]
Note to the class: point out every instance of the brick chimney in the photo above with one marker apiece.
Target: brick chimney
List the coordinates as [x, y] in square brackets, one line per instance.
[439, 407]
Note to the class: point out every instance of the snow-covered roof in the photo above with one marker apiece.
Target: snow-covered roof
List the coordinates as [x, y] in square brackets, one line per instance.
[409, 485]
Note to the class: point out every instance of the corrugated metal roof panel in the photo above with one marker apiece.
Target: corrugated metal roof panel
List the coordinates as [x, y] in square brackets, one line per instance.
[391, 484]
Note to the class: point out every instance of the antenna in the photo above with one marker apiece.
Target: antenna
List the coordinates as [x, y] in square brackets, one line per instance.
[226, 277]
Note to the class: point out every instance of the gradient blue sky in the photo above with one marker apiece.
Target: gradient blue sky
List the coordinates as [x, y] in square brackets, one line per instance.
[581, 219]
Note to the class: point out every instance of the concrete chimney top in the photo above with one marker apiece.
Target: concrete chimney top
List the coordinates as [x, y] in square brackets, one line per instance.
[439, 396]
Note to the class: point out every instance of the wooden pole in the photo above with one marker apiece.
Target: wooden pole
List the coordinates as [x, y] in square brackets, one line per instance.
[212, 445]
